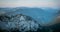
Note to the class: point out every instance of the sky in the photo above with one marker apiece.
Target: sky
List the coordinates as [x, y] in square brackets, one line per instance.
[28, 3]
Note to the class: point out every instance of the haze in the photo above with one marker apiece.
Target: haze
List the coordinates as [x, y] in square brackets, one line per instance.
[28, 3]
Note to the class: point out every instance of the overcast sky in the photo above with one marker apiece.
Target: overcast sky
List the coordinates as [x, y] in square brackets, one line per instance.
[28, 3]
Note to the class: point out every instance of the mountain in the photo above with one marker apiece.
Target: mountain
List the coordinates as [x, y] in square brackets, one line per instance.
[20, 21]
[42, 15]
[27, 19]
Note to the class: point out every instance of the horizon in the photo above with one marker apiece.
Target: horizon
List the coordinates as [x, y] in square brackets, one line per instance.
[34, 7]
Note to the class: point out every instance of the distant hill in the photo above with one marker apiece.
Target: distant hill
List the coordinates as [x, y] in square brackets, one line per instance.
[42, 15]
